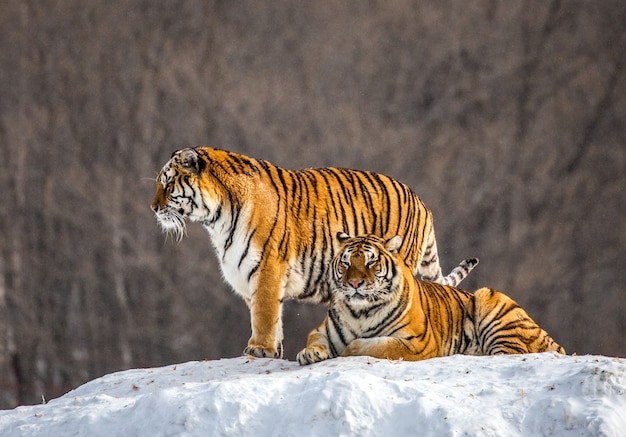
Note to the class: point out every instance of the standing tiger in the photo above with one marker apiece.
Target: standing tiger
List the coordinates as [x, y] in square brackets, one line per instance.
[273, 229]
[377, 308]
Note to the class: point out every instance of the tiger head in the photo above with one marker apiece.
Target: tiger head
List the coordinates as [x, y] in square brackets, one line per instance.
[183, 192]
[365, 269]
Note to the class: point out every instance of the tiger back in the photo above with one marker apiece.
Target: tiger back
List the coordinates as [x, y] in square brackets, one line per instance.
[274, 229]
[379, 309]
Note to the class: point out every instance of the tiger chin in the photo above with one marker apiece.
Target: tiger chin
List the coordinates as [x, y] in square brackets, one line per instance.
[274, 229]
[379, 309]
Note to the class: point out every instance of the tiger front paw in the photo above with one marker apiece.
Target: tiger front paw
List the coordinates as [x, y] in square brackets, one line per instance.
[259, 351]
[355, 348]
[310, 355]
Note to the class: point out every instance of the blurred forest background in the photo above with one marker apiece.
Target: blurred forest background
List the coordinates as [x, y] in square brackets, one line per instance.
[507, 119]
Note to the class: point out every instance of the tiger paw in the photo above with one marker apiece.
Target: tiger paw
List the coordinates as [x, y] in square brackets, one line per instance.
[377, 347]
[355, 348]
[259, 351]
[312, 355]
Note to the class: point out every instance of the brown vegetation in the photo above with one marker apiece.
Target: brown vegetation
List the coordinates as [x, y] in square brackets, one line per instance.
[507, 118]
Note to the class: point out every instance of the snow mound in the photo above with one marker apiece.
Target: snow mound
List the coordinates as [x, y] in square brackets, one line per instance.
[537, 394]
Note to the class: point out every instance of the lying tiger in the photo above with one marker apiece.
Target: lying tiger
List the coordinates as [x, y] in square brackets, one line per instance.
[379, 309]
[274, 229]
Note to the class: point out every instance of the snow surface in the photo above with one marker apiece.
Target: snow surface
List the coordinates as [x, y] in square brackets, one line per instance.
[537, 394]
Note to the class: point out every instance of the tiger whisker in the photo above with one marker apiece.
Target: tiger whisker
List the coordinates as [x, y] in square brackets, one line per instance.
[172, 223]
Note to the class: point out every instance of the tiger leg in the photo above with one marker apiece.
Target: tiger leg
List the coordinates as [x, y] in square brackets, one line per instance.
[503, 327]
[429, 268]
[317, 346]
[266, 313]
[279, 331]
[391, 348]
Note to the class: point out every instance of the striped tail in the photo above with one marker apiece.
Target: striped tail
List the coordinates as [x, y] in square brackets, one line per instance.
[457, 274]
[430, 269]
[460, 272]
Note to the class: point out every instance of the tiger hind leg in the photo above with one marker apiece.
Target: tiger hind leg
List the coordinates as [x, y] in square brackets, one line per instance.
[391, 348]
[504, 327]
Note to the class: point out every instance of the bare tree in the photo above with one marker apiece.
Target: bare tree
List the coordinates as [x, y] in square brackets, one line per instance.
[507, 118]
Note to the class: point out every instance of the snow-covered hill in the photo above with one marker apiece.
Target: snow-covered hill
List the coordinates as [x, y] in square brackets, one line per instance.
[539, 394]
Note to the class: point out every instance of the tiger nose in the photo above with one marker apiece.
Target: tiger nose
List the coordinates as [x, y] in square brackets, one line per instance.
[155, 207]
[355, 283]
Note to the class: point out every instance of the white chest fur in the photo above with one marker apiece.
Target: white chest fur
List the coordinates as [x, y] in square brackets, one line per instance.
[236, 253]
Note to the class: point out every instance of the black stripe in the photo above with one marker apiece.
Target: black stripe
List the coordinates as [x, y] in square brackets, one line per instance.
[325, 262]
[310, 289]
[387, 209]
[335, 318]
[296, 193]
[342, 188]
[331, 195]
[281, 177]
[245, 165]
[231, 233]
[216, 215]
[394, 184]
[346, 183]
[410, 220]
[284, 243]
[253, 271]
[371, 223]
[267, 167]
[390, 318]
[333, 350]
[245, 251]
[492, 328]
[282, 202]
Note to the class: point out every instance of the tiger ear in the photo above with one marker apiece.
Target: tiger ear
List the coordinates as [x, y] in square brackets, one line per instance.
[191, 160]
[342, 237]
[393, 244]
